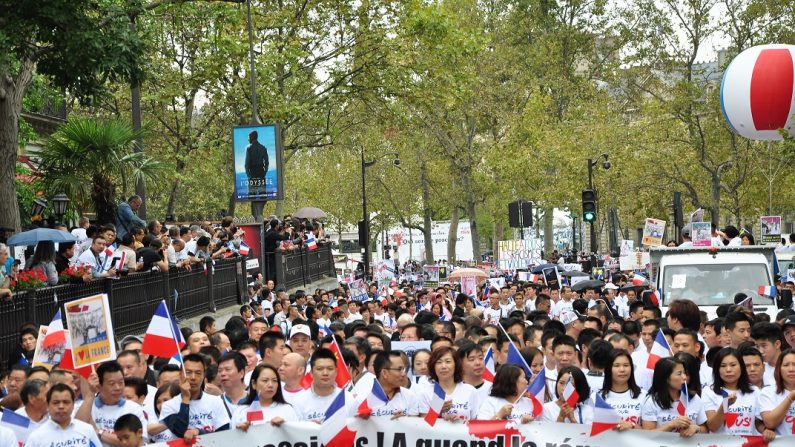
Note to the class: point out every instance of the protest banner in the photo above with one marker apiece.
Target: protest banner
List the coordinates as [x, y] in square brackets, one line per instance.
[697, 215]
[383, 431]
[469, 286]
[409, 347]
[701, 234]
[385, 269]
[47, 357]
[518, 254]
[430, 274]
[653, 232]
[358, 290]
[442, 273]
[635, 261]
[627, 246]
[770, 229]
[498, 283]
[91, 329]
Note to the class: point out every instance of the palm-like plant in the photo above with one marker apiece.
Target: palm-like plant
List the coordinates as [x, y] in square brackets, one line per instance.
[90, 160]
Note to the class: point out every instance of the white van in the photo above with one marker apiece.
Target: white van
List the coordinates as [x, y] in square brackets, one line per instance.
[712, 279]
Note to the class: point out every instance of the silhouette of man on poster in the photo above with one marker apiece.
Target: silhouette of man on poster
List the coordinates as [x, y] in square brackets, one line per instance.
[256, 164]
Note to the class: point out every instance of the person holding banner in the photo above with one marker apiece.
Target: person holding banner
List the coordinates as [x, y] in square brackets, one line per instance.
[265, 402]
[777, 403]
[507, 400]
[620, 390]
[562, 410]
[61, 429]
[667, 408]
[461, 401]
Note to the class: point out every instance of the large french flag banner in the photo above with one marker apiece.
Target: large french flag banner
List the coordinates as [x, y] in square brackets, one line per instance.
[659, 349]
[570, 394]
[375, 399]
[435, 408]
[756, 93]
[56, 335]
[334, 431]
[17, 423]
[488, 368]
[605, 417]
[536, 391]
[162, 338]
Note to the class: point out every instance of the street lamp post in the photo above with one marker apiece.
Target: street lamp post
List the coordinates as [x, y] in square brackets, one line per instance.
[60, 202]
[365, 234]
[606, 165]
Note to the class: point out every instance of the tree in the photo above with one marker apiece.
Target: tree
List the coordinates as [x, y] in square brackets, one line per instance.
[92, 160]
[76, 44]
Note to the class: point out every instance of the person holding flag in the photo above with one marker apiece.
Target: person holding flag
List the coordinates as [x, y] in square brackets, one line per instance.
[265, 402]
[461, 399]
[573, 403]
[620, 390]
[777, 403]
[730, 403]
[667, 408]
[507, 400]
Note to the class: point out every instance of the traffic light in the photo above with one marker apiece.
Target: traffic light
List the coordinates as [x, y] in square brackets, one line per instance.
[589, 205]
[363, 236]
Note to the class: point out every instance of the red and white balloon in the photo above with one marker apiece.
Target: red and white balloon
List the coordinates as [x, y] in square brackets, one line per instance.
[757, 94]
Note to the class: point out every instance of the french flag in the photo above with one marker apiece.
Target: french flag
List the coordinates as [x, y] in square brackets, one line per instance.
[67, 361]
[638, 279]
[570, 394]
[605, 417]
[334, 431]
[767, 291]
[376, 398]
[17, 423]
[659, 349]
[488, 369]
[244, 249]
[514, 357]
[536, 391]
[684, 399]
[56, 335]
[435, 408]
[729, 419]
[311, 243]
[162, 338]
[323, 330]
[254, 412]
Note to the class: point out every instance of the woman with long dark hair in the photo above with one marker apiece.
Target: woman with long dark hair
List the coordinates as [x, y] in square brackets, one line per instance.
[507, 399]
[665, 409]
[44, 259]
[558, 410]
[729, 376]
[621, 391]
[265, 399]
[777, 403]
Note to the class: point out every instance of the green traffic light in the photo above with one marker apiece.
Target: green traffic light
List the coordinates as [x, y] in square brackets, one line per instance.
[589, 216]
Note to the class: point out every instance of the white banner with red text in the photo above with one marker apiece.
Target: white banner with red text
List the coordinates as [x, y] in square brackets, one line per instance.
[415, 432]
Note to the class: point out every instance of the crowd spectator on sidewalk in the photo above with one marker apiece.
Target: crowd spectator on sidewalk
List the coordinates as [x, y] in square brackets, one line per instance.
[44, 259]
[126, 216]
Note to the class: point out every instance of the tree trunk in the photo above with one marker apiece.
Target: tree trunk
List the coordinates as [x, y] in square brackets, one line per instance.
[427, 222]
[471, 214]
[715, 199]
[135, 98]
[499, 235]
[12, 90]
[452, 236]
[549, 236]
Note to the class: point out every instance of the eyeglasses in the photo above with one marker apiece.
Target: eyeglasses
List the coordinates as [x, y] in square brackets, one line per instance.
[401, 370]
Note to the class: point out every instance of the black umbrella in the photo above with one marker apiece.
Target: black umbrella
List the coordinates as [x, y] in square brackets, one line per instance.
[542, 267]
[573, 273]
[587, 284]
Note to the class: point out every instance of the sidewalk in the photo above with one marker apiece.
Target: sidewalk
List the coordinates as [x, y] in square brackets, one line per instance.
[223, 315]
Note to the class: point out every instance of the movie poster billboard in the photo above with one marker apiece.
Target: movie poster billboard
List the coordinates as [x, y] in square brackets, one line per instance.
[257, 154]
[771, 229]
[91, 330]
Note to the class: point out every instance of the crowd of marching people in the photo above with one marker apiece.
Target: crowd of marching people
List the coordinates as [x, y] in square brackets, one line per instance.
[523, 352]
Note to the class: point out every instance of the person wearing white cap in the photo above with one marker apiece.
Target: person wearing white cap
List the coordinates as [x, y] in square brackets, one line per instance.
[573, 323]
[301, 340]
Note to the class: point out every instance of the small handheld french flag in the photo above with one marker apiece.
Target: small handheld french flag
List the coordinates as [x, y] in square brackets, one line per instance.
[767, 291]
[638, 279]
[435, 408]
[254, 412]
[729, 419]
[659, 349]
[605, 417]
[17, 423]
[311, 243]
[244, 249]
[684, 399]
[56, 335]
[570, 394]
[488, 368]
[162, 338]
[536, 391]
[334, 431]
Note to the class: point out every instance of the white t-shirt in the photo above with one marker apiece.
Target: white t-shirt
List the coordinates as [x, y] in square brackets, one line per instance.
[583, 412]
[770, 399]
[284, 411]
[490, 407]
[744, 407]
[768, 378]
[352, 317]
[508, 307]
[80, 234]
[404, 400]
[493, 316]
[77, 433]
[105, 416]
[465, 400]
[482, 392]
[207, 413]
[293, 397]
[33, 424]
[628, 408]
[652, 412]
[7, 437]
[311, 407]
[560, 306]
[596, 382]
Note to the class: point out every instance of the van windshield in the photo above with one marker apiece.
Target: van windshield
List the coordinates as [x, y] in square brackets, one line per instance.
[713, 285]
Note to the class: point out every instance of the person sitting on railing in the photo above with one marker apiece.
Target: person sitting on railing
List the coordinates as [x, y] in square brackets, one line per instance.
[44, 260]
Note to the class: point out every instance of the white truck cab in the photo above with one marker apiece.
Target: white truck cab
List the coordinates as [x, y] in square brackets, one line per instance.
[712, 276]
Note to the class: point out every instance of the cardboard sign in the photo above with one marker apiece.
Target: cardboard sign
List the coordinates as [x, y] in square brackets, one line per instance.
[358, 290]
[635, 261]
[653, 232]
[91, 329]
[627, 246]
[701, 234]
[47, 357]
[770, 228]
[469, 286]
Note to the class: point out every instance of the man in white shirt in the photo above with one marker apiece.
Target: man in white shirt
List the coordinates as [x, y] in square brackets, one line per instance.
[34, 403]
[194, 412]
[95, 258]
[391, 374]
[103, 402]
[494, 313]
[312, 405]
[291, 371]
[80, 232]
[353, 312]
[61, 429]
[231, 371]
[134, 365]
